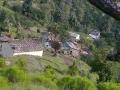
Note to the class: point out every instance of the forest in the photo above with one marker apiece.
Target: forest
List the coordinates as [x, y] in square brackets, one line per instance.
[20, 19]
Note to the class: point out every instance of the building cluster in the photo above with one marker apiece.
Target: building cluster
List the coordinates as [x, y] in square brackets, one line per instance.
[71, 45]
[13, 47]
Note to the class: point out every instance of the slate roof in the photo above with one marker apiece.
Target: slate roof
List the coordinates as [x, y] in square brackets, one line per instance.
[26, 45]
[72, 45]
[95, 33]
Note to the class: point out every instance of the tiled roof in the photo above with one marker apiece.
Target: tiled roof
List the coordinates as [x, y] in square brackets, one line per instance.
[26, 45]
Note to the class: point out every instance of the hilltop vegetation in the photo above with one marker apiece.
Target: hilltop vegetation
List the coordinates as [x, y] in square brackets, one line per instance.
[28, 73]
[28, 18]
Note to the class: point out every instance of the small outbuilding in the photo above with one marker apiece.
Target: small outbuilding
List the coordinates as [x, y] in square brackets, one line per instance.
[95, 35]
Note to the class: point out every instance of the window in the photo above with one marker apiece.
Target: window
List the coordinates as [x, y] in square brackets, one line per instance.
[13, 47]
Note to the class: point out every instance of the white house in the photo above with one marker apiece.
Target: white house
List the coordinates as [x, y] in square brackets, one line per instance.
[21, 47]
[74, 35]
[95, 35]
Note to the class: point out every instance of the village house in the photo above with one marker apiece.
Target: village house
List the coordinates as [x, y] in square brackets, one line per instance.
[95, 35]
[5, 49]
[20, 47]
[74, 36]
[70, 48]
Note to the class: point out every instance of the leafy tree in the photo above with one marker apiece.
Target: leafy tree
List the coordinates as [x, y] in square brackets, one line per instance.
[108, 86]
[21, 62]
[75, 83]
[56, 46]
[46, 82]
[103, 70]
[118, 48]
[54, 28]
[115, 71]
[48, 78]
[73, 69]
[4, 2]
[4, 83]
[27, 5]
[2, 16]
[2, 62]
[15, 74]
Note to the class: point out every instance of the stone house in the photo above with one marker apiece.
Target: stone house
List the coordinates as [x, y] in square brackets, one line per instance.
[20, 47]
[95, 35]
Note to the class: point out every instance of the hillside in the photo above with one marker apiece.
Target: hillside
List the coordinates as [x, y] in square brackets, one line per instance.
[97, 67]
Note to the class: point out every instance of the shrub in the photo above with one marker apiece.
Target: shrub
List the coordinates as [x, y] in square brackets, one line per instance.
[3, 83]
[108, 86]
[48, 78]
[75, 83]
[47, 82]
[2, 62]
[15, 74]
[21, 62]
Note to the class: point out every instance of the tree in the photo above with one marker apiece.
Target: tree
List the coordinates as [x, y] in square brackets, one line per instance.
[2, 16]
[56, 46]
[75, 83]
[54, 29]
[118, 48]
[26, 8]
[108, 86]
[15, 74]
[4, 83]
[73, 69]
[103, 70]
[108, 7]
[4, 3]
[2, 62]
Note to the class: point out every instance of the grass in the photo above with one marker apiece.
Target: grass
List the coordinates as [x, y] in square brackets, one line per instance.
[36, 64]
[31, 86]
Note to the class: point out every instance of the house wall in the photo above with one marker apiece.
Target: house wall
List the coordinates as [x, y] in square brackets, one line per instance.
[78, 37]
[6, 50]
[34, 53]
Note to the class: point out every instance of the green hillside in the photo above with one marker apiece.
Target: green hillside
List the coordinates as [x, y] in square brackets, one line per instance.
[100, 70]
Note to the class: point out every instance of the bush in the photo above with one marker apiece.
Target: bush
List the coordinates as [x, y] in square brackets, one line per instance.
[2, 15]
[15, 74]
[2, 62]
[3, 83]
[46, 82]
[108, 86]
[75, 83]
[21, 62]
[48, 78]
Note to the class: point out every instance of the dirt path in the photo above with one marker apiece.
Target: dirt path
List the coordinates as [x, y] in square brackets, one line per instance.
[68, 60]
